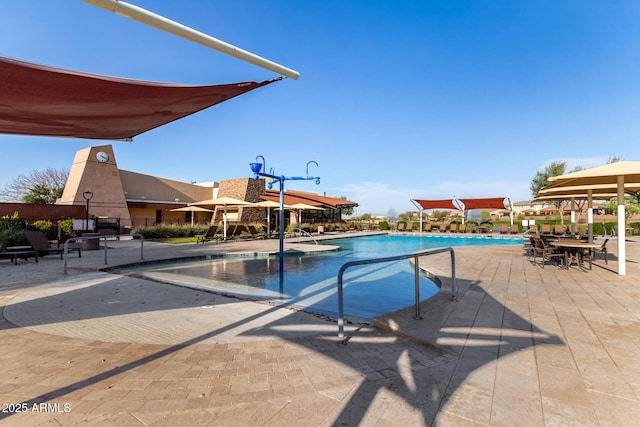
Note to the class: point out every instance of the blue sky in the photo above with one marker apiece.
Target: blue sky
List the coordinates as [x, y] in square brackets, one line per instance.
[396, 99]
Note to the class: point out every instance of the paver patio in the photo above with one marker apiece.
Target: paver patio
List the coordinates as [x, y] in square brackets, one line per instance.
[521, 346]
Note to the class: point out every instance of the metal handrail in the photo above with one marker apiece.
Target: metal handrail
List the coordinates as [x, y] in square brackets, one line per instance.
[416, 256]
[75, 239]
[309, 234]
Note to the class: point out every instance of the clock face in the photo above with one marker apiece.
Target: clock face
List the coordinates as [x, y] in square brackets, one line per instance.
[102, 156]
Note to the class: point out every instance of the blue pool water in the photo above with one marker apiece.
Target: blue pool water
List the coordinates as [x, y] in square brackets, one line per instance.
[310, 280]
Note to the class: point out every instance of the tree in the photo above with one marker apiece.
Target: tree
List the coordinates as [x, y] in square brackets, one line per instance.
[631, 206]
[541, 179]
[43, 186]
[346, 210]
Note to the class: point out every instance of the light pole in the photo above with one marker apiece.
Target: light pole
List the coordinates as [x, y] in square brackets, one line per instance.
[88, 195]
[256, 169]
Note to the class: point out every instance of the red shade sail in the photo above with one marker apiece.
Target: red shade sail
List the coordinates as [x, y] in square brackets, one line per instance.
[436, 204]
[487, 203]
[47, 101]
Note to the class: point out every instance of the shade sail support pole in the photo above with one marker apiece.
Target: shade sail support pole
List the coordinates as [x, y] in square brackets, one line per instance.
[146, 17]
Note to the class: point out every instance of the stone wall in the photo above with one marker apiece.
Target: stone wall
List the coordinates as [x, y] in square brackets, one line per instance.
[247, 189]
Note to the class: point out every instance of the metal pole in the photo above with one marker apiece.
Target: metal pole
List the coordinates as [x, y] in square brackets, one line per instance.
[281, 231]
[86, 225]
[146, 17]
[417, 285]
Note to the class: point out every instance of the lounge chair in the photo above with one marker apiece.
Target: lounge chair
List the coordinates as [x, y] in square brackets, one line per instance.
[545, 229]
[41, 245]
[427, 227]
[514, 229]
[504, 229]
[400, 226]
[241, 231]
[14, 255]
[254, 233]
[540, 247]
[209, 235]
[603, 250]
[462, 228]
[558, 229]
[442, 228]
[452, 227]
[409, 226]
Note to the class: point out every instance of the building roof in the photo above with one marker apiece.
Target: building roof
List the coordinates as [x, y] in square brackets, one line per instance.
[313, 199]
[147, 189]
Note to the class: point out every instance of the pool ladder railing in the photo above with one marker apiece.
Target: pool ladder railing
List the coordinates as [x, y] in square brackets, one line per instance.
[416, 256]
[307, 233]
[106, 247]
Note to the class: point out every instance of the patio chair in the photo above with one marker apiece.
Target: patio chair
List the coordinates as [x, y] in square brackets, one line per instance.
[209, 235]
[603, 250]
[41, 245]
[558, 229]
[540, 247]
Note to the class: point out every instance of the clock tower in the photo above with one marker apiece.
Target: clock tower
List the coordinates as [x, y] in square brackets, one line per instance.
[95, 169]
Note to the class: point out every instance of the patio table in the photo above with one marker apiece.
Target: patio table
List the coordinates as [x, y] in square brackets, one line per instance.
[574, 250]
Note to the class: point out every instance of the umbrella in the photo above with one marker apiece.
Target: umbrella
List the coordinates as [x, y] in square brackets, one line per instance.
[222, 201]
[303, 207]
[615, 176]
[268, 204]
[191, 209]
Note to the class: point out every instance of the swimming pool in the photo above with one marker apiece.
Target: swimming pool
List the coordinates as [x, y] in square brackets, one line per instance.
[310, 281]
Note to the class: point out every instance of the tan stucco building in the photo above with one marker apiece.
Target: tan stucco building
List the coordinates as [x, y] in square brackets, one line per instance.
[139, 200]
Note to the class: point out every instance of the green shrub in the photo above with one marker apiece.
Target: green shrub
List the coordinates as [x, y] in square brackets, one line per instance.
[383, 225]
[66, 229]
[169, 231]
[12, 237]
[47, 227]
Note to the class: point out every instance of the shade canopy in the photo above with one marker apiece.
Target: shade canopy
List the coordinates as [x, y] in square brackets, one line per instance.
[605, 174]
[221, 201]
[576, 196]
[268, 204]
[483, 203]
[191, 209]
[436, 204]
[574, 191]
[305, 207]
[47, 101]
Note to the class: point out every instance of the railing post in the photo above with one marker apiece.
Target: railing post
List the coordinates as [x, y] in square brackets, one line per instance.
[454, 282]
[75, 239]
[340, 307]
[416, 266]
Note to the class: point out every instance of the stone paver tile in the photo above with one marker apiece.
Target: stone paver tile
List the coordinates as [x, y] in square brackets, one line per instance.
[559, 413]
[613, 411]
[516, 397]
